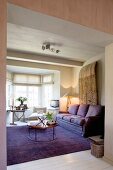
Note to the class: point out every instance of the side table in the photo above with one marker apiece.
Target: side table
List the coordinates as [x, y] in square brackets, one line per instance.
[14, 114]
[97, 146]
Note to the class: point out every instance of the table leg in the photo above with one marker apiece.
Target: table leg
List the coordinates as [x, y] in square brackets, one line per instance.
[53, 133]
[35, 134]
[22, 116]
[13, 123]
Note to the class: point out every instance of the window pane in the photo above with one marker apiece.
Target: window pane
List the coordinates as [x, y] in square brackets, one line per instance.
[33, 96]
[19, 91]
[31, 92]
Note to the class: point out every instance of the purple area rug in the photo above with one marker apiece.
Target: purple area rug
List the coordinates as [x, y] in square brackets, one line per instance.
[21, 149]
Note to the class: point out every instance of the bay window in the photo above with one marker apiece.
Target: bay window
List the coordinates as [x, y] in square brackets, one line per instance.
[37, 88]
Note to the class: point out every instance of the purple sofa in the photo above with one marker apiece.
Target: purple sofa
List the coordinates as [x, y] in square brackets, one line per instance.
[87, 120]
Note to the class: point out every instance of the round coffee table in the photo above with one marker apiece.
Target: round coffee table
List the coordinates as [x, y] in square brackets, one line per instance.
[36, 128]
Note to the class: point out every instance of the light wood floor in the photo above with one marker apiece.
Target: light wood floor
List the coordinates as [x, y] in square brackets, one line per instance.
[75, 161]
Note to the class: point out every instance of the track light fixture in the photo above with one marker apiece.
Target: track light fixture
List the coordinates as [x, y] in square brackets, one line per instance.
[47, 46]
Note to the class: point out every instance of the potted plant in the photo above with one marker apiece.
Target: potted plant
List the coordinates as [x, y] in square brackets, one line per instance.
[49, 117]
[21, 100]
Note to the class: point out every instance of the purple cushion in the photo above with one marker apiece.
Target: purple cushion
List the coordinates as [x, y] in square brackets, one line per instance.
[67, 118]
[82, 111]
[62, 115]
[73, 109]
[78, 120]
[94, 110]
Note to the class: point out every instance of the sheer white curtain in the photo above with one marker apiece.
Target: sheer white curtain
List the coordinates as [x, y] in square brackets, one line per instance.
[47, 94]
[47, 89]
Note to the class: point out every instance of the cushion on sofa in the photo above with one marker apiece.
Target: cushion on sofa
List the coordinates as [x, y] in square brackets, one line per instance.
[82, 111]
[94, 110]
[78, 120]
[62, 115]
[67, 118]
[73, 109]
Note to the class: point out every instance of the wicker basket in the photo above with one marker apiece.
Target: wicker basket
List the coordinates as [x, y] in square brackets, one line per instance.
[97, 150]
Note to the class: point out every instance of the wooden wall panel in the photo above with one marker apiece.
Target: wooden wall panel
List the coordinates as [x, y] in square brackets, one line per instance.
[97, 14]
[108, 154]
[3, 9]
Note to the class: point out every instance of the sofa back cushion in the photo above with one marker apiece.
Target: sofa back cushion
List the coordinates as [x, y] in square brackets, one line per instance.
[83, 109]
[94, 110]
[73, 109]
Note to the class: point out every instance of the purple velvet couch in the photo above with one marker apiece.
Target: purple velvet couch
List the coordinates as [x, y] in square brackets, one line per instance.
[87, 120]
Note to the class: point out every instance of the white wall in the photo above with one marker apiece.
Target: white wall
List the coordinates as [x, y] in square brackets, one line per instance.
[108, 142]
[9, 76]
[75, 86]
[100, 76]
[56, 86]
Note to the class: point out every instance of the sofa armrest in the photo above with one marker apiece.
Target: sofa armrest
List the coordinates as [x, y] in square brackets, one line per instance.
[92, 119]
[94, 125]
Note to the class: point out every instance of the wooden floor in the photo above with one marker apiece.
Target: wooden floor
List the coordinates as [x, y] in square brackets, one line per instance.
[75, 161]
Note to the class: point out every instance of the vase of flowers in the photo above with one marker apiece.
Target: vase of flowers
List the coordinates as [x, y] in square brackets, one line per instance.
[21, 100]
[49, 117]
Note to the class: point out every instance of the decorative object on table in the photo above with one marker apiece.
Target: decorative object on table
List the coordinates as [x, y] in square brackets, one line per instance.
[24, 106]
[49, 117]
[22, 100]
[17, 107]
[53, 122]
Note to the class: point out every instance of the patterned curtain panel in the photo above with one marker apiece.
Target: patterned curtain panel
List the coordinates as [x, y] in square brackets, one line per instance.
[87, 85]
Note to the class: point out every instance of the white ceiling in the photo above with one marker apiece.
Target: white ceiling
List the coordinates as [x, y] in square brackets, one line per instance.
[27, 30]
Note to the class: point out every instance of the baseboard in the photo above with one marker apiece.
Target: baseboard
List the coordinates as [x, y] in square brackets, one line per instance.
[108, 160]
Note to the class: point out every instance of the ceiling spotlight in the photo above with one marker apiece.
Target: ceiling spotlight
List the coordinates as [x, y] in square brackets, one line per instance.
[47, 45]
[57, 51]
[43, 47]
[52, 49]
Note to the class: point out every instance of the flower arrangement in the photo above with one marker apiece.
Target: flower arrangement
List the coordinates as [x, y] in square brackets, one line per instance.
[49, 116]
[50, 119]
[21, 100]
